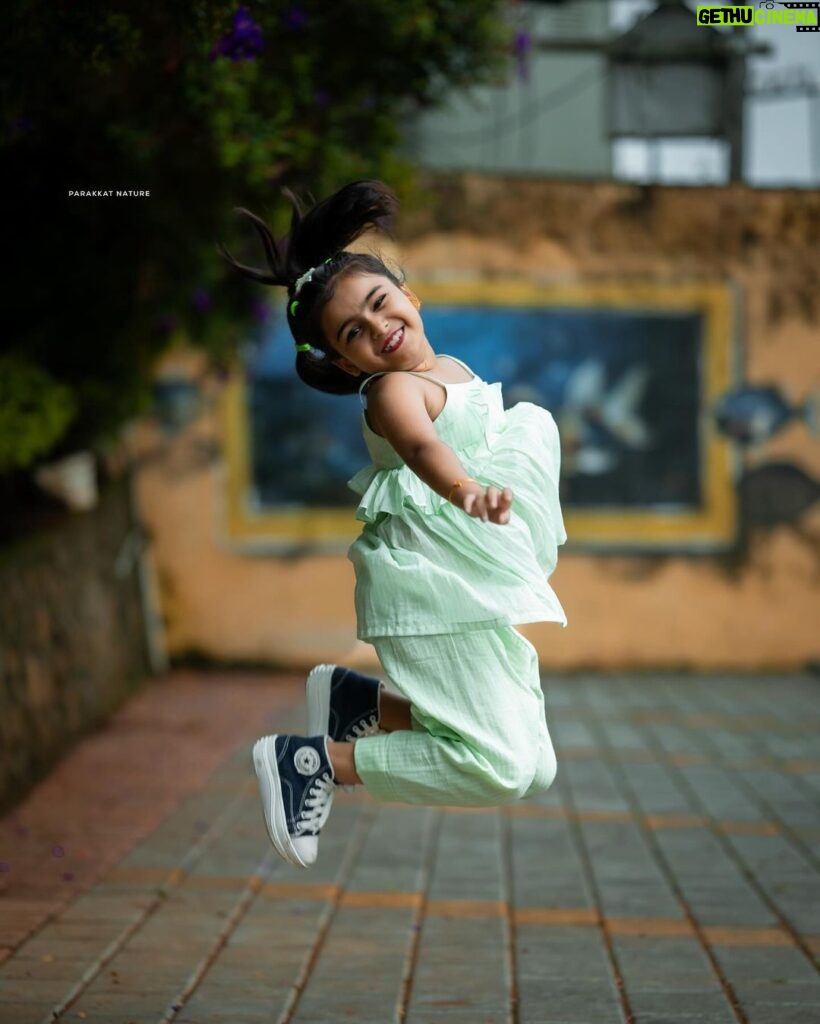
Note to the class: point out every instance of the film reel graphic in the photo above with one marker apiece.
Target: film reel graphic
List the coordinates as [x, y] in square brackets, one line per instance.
[799, 5]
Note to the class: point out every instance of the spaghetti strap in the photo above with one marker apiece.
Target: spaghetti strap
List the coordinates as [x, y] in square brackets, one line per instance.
[424, 376]
[428, 376]
[366, 381]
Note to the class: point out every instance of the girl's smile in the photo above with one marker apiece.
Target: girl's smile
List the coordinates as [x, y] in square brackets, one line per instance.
[395, 339]
[374, 325]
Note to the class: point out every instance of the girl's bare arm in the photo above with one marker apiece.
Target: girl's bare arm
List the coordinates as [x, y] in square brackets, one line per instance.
[398, 409]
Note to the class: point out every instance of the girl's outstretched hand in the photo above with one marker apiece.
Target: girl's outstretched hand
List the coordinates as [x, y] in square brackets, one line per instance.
[490, 505]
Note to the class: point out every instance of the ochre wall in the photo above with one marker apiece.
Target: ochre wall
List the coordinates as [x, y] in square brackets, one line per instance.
[759, 607]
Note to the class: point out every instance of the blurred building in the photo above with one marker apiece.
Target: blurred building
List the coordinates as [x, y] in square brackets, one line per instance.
[550, 119]
[561, 114]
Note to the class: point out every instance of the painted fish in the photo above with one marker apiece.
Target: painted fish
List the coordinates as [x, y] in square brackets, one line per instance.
[753, 413]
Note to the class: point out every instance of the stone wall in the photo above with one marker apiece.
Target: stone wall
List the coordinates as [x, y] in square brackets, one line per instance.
[71, 637]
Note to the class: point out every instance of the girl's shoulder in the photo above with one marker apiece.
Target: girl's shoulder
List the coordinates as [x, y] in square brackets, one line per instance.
[411, 397]
[387, 389]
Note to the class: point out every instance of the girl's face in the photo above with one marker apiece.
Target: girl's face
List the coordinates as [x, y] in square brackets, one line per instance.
[374, 325]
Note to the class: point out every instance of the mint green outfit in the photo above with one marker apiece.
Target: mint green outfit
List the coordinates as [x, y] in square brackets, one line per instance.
[438, 593]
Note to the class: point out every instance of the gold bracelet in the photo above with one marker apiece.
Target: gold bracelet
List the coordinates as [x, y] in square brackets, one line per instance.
[458, 483]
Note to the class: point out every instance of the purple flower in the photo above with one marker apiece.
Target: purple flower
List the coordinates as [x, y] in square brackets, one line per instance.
[201, 300]
[245, 40]
[521, 47]
[321, 98]
[295, 17]
[261, 311]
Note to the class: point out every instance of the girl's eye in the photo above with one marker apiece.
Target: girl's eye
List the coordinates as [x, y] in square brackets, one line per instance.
[352, 334]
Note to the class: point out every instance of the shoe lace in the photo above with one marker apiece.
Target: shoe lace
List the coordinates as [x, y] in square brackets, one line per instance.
[366, 727]
[317, 805]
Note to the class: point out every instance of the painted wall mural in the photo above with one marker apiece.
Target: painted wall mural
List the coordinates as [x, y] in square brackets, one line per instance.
[777, 492]
[641, 378]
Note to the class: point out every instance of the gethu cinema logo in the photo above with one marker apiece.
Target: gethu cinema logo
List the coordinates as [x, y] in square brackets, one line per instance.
[804, 15]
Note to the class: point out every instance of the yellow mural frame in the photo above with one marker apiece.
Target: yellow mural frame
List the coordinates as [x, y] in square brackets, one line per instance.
[712, 526]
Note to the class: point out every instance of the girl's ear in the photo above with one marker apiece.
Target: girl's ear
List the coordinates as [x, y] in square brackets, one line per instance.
[411, 295]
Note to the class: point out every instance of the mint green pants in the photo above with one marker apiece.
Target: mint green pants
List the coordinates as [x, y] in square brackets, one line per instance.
[479, 735]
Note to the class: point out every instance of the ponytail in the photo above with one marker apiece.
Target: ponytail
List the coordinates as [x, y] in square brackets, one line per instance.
[338, 221]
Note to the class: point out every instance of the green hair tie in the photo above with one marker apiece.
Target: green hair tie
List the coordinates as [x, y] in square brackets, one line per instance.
[293, 306]
[304, 347]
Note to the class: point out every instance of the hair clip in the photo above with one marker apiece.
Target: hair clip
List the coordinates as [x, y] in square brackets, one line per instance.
[304, 347]
[307, 276]
[293, 306]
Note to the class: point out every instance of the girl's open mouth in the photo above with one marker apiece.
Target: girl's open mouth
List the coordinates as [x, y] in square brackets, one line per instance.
[396, 338]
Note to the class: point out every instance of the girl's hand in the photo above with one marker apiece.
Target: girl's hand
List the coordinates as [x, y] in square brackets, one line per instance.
[490, 505]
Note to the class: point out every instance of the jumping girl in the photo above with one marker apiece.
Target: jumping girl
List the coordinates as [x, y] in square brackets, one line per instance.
[461, 528]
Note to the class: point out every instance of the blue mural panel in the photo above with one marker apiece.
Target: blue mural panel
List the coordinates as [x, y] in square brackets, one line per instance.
[641, 378]
[624, 387]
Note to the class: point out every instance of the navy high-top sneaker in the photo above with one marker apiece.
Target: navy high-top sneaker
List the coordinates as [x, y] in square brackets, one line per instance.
[296, 785]
[341, 703]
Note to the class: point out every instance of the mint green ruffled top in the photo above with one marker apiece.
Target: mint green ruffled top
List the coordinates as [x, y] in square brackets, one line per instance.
[422, 564]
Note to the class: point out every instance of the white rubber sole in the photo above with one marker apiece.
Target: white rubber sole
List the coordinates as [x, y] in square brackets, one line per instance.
[317, 695]
[267, 775]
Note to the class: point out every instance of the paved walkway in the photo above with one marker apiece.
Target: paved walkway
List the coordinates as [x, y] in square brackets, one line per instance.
[670, 875]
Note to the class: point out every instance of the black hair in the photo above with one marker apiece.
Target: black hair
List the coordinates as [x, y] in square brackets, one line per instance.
[316, 239]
